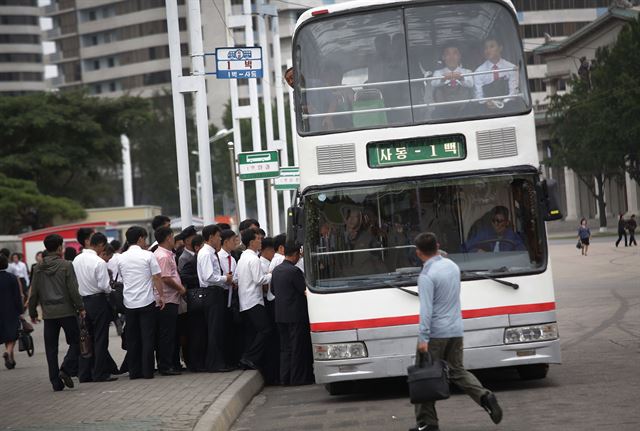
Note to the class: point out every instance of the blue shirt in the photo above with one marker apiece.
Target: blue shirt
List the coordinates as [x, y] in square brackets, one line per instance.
[439, 290]
[488, 240]
[584, 232]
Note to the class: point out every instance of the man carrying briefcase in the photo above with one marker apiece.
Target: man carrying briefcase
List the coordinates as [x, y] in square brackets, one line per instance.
[441, 330]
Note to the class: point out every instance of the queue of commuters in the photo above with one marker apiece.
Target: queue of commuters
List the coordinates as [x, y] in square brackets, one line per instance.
[214, 301]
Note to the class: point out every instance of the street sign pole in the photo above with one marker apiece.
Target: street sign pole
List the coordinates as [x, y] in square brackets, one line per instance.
[234, 179]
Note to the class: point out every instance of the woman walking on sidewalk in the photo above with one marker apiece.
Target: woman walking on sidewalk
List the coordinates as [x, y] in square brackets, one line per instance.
[10, 310]
[584, 235]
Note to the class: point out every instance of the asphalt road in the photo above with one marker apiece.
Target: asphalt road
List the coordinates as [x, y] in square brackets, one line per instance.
[596, 387]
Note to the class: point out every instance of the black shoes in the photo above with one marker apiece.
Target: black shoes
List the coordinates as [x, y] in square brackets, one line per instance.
[169, 373]
[426, 428]
[108, 379]
[9, 362]
[490, 404]
[66, 379]
[224, 369]
[246, 364]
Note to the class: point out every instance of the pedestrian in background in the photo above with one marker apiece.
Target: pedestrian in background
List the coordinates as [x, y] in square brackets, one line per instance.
[196, 323]
[11, 307]
[622, 225]
[173, 290]
[632, 225]
[83, 235]
[55, 289]
[158, 222]
[140, 274]
[584, 236]
[38, 257]
[18, 268]
[272, 350]
[292, 318]
[251, 279]
[215, 281]
[441, 330]
[234, 338]
[94, 285]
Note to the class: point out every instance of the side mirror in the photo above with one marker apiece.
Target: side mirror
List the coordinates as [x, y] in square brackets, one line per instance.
[549, 197]
[295, 224]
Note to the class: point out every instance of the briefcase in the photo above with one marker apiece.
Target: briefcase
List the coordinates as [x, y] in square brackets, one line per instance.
[86, 346]
[197, 299]
[429, 380]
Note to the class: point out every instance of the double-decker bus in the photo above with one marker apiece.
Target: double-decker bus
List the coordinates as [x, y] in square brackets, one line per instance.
[415, 116]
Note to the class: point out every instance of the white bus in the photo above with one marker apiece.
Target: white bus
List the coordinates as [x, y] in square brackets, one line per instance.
[415, 116]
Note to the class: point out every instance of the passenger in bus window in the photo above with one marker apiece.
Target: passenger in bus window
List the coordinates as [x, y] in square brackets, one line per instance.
[495, 82]
[452, 85]
[497, 237]
[358, 237]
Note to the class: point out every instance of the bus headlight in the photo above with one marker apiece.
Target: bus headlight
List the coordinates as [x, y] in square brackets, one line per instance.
[528, 334]
[328, 352]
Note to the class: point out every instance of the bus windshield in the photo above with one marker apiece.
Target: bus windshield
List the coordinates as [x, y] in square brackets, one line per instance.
[363, 237]
[408, 65]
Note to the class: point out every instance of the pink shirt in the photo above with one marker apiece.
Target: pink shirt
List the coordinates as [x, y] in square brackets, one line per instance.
[168, 268]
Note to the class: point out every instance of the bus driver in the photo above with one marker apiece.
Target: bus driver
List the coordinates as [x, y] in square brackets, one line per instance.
[499, 237]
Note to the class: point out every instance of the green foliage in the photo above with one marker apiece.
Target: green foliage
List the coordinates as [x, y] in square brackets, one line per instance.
[595, 125]
[22, 205]
[67, 141]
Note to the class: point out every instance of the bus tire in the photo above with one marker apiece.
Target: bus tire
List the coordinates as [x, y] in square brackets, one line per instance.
[533, 372]
[338, 388]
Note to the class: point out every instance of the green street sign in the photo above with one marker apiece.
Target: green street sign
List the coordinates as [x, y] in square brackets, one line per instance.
[289, 179]
[416, 150]
[258, 165]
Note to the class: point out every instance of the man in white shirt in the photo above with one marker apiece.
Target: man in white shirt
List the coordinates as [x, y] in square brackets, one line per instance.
[173, 290]
[234, 341]
[278, 245]
[94, 287]
[112, 264]
[452, 74]
[212, 278]
[488, 84]
[18, 268]
[251, 279]
[140, 274]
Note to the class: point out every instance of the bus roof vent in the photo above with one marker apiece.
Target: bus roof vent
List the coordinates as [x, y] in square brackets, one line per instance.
[497, 143]
[336, 159]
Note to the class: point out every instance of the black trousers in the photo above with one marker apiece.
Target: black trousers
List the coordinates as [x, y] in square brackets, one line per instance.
[181, 340]
[272, 348]
[632, 237]
[141, 340]
[620, 235]
[215, 318]
[296, 356]
[167, 321]
[51, 336]
[197, 344]
[99, 315]
[258, 331]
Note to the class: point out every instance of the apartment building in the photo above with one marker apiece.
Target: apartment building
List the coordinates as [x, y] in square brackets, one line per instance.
[115, 47]
[21, 66]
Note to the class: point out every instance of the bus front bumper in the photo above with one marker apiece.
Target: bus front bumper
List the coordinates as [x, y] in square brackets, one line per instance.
[507, 355]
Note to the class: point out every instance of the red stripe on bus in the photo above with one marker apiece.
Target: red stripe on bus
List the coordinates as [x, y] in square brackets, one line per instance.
[412, 320]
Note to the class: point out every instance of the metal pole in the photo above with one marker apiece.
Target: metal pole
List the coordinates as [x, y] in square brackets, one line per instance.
[232, 158]
[292, 114]
[179, 119]
[255, 116]
[202, 121]
[127, 181]
[268, 117]
[199, 193]
[282, 124]
[237, 135]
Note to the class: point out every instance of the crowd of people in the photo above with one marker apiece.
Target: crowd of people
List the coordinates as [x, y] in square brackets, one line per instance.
[209, 301]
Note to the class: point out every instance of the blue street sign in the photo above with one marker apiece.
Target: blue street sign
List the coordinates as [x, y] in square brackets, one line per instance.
[239, 63]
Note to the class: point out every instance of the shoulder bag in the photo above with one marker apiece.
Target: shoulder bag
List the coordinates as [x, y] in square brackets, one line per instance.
[428, 380]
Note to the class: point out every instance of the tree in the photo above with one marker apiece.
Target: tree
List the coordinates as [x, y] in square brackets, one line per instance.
[595, 126]
[66, 142]
[22, 205]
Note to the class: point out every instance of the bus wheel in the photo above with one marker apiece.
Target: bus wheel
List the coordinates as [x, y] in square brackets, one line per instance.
[339, 388]
[533, 372]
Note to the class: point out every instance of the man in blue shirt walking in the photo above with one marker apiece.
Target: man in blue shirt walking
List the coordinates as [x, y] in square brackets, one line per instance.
[441, 330]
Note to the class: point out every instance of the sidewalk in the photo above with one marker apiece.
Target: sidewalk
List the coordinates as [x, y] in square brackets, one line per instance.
[27, 401]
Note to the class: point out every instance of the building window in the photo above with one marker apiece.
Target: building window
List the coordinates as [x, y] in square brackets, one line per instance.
[111, 62]
[20, 76]
[537, 85]
[554, 29]
[20, 38]
[18, 57]
[97, 89]
[18, 20]
[561, 85]
[92, 15]
[96, 64]
[112, 87]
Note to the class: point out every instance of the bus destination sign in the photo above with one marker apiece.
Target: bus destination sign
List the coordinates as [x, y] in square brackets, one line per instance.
[416, 150]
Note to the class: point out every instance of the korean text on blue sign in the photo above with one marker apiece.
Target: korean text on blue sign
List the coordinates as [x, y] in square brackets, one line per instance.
[239, 63]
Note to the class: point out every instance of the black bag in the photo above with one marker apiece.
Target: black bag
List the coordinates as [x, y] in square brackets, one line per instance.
[86, 346]
[428, 381]
[196, 298]
[25, 340]
[579, 244]
[116, 297]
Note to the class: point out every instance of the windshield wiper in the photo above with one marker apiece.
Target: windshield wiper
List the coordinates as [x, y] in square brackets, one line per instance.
[492, 277]
[395, 286]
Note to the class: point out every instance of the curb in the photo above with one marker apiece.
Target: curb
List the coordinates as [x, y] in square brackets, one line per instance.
[227, 407]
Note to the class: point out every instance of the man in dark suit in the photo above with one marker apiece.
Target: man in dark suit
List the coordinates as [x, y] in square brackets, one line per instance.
[292, 318]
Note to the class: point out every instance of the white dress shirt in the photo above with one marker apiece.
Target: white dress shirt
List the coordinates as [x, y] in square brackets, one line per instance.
[209, 271]
[277, 260]
[265, 263]
[251, 277]
[300, 264]
[487, 78]
[467, 81]
[112, 266]
[137, 268]
[19, 269]
[91, 272]
[228, 265]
